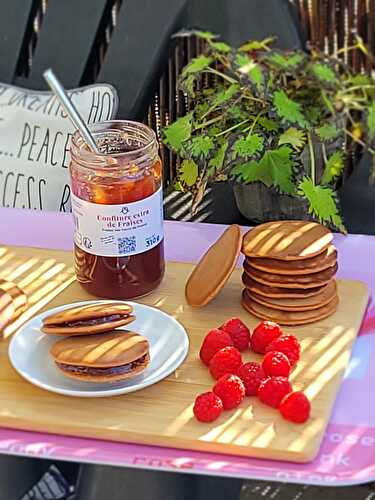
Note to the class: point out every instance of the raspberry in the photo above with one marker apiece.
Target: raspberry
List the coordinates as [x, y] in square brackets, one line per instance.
[263, 334]
[226, 361]
[288, 345]
[273, 389]
[230, 390]
[214, 341]
[252, 375]
[295, 407]
[207, 407]
[276, 364]
[239, 333]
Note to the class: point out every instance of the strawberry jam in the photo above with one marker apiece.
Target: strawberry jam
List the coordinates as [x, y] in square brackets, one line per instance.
[118, 212]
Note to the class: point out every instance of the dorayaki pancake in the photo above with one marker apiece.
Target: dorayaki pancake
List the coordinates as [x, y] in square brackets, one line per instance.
[298, 304]
[288, 317]
[215, 267]
[18, 296]
[89, 319]
[286, 240]
[105, 357]
[322, 261]
[278, 292]
[286, 281]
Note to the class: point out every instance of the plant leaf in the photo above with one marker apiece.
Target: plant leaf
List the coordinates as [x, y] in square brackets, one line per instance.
[247, 146]
[295, 59]
[251, 68]
[360, 79]
[357, 130]
[267, 124]
[334, 167]
[225, 95]
[324, 72]
[284, 61]
[238, 113]
[221, 47]
[216, 162]
[274, 169]
[327, 132]
[178, 132]
[242, 60]
[256, 44]
[213, 130]
[208, 92]
[313, 114]
[200, 146]
[206, 35]
[256, 75]
[278, 59]
[187, 85]
[288, 110]
[294, 137]
[177, 186]
[371, 119]
[188, 172]
[197, 64]
[322, 202]
[201, 109]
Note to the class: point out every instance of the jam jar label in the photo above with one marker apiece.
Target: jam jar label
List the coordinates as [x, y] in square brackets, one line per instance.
[118, 230]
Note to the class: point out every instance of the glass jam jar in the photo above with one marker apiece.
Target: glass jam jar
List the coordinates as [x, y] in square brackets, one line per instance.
[117, 208]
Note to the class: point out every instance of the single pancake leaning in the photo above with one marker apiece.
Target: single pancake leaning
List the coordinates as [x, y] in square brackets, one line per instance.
[105, 357]
[214, 269]
[88, 319]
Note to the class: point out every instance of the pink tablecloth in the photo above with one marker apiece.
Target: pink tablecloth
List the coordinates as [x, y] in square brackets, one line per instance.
[348, 450]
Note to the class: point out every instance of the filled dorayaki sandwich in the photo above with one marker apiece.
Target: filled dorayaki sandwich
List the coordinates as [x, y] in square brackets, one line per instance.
[89, 319]
[106, 357]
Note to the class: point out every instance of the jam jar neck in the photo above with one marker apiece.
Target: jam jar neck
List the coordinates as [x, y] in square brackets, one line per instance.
[123, 145]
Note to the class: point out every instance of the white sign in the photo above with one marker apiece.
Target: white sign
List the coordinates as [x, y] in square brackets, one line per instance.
[35, 140]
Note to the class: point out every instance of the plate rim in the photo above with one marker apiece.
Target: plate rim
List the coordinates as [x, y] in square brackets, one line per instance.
[97, 393]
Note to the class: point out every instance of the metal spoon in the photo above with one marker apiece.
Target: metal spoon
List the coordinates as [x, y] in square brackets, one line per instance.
[70, 109]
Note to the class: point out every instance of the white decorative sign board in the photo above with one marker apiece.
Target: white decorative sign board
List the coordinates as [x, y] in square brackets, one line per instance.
[34, 143]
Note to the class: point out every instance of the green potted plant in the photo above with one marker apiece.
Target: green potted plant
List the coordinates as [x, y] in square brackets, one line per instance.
[277, 124]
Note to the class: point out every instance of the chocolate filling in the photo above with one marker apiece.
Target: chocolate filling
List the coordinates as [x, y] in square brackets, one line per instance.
[116, 370]
[92, 322]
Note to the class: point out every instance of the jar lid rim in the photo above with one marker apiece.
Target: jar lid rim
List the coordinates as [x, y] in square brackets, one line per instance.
[99, 127]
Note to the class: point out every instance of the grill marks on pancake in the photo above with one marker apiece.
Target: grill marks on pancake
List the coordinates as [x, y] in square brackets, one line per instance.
[286, 240]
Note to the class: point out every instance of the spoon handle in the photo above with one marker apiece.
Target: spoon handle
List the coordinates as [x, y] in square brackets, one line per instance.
[69, 108]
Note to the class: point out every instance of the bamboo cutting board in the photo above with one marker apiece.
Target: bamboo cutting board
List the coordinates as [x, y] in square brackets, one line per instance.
[162, 414]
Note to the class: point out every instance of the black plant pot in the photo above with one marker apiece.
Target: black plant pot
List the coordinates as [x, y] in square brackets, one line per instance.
[258, 203]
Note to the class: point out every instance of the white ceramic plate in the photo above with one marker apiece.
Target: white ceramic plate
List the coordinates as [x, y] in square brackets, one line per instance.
[169, 344]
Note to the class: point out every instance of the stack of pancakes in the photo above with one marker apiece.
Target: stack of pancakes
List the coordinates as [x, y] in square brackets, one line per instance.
[289, 272]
